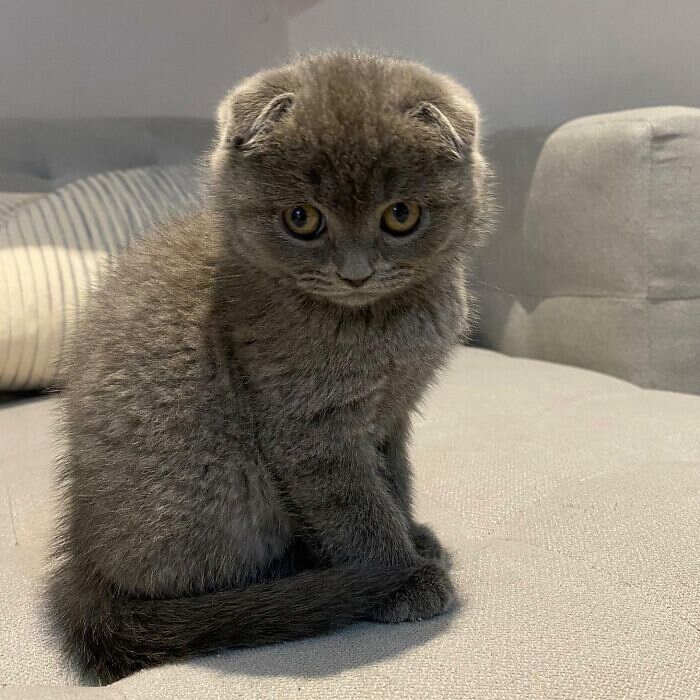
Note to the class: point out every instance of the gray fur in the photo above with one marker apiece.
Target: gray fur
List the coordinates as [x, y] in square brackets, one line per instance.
[237, 413]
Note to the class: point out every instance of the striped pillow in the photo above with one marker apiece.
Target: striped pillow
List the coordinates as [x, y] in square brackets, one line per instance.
[9, 201]
[52, 247]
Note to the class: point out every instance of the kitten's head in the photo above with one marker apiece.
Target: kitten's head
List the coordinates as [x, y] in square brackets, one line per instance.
[353, 176]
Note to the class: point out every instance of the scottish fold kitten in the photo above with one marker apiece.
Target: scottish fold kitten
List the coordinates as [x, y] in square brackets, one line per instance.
[239, 399]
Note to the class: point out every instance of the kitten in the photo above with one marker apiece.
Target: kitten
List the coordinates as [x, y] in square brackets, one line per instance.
[237, 408]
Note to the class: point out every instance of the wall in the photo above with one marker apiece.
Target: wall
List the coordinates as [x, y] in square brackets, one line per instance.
[529, 62]
[66, 58]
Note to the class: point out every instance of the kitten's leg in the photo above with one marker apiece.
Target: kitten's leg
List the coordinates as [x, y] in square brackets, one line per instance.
[428, 545]
[397, 474]
[346, 505]
[356, 520]
[397, 468]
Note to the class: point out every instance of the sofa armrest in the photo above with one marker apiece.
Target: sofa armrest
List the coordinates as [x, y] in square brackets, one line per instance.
[601, 267]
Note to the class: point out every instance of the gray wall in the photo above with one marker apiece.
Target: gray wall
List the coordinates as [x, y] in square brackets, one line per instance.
[66, 58]
[528, 61]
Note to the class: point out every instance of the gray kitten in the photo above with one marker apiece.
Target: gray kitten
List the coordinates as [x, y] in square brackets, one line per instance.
[237, 407]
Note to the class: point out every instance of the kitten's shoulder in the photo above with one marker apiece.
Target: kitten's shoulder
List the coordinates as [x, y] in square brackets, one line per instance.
[176, 258]
[150, 303]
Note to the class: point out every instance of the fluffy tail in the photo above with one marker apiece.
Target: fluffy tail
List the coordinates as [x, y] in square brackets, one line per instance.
[113, 636]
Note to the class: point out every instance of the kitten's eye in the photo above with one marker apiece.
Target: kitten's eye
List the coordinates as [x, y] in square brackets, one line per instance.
[304, 221]
[401, 218]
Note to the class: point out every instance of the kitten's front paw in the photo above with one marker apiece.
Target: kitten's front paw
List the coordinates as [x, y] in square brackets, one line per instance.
[427, 593]
[427, 544]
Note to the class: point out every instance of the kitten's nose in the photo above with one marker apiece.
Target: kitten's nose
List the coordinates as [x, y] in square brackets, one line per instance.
[355, 269]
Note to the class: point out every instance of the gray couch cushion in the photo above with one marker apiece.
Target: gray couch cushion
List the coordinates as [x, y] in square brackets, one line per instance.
[40, 155]
[605, 270]
[571, 502]
[512, 154]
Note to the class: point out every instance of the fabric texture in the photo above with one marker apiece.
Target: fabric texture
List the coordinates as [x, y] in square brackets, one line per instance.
[596, 261]
[569, 499]
[52, 247]
[10, 201]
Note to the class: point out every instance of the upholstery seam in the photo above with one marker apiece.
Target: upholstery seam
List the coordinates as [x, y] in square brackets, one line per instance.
[647, 230]
[12, 516]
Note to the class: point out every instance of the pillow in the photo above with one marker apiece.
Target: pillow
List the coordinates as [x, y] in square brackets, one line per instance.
[602, 270]
[52, 247]
[9, 201]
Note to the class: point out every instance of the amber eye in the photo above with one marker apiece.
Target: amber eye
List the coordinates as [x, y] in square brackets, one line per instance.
[304, 221]
[401, 218]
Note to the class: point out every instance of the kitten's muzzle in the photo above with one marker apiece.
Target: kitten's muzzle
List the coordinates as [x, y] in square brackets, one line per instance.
[356, 281]
[355, 268]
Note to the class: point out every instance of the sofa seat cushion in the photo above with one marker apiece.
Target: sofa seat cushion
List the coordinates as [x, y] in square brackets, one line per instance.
[570, 501]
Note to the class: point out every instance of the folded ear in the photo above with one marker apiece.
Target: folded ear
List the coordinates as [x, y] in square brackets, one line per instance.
[457, 134]
[245, 118]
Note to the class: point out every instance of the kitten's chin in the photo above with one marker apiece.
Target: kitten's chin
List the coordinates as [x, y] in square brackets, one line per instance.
[353, 300]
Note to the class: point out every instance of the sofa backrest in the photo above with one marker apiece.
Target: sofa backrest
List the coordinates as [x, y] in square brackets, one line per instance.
[596, 259]
[40, 155]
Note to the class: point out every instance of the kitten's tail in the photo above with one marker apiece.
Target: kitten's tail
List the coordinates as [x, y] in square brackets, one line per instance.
[113, 636]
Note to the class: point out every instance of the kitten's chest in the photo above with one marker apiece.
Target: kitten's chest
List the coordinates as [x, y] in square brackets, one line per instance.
[364, 374]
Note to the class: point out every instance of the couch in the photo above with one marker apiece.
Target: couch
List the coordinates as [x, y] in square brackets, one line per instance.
[558, 458]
